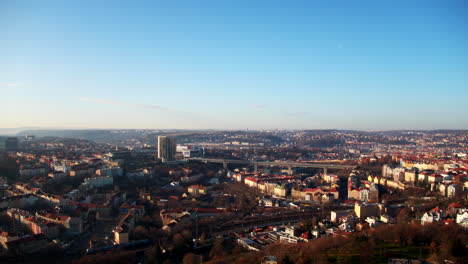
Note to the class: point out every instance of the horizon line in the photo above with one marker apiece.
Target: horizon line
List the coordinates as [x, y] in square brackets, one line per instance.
[26, 128]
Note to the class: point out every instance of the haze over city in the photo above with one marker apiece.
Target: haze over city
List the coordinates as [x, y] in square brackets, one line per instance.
[234, 132]
[238, 65]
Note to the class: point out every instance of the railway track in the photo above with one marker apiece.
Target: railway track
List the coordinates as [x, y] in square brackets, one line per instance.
[262, 221]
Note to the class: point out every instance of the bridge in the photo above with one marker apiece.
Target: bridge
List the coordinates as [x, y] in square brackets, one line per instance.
[289, 165]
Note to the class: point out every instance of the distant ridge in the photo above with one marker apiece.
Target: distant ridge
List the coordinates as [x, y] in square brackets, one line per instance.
[14, 131]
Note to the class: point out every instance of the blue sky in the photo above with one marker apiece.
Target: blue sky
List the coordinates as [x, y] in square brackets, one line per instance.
[234, 64]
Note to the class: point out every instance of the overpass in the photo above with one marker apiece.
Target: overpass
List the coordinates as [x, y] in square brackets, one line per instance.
[289, 165]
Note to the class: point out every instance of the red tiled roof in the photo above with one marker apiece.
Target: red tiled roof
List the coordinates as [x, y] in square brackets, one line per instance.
[62, 218]
[197, 186]
[449, 221]
[251, 179]
[455, 205]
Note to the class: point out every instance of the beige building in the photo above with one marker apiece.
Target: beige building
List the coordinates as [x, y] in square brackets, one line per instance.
[124, 227]
[196, 189]
[410, 176]
[7, 237]
[423, 177]
[366, 210]
[336, 215]
[251, 182]
[421, 165]
[354, 194]
[395, 185]
[435, 178]
[272, 189]
[317, 194]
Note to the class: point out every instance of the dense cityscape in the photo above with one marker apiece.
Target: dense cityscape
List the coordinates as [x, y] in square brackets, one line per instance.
[234, 132]
[234, 196]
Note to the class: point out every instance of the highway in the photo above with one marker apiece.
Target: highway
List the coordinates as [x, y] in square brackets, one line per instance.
[272, 163]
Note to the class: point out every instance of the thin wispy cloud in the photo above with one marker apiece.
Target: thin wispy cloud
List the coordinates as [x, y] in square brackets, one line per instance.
[298, 114]
[259, 106]
[12, 84]
[120, 103]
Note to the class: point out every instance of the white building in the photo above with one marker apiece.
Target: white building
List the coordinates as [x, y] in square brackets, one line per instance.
[431, 217]
[372, 221]
[189, 151]
[336, 215]
[462, 218]
[62, 167]
[98, 181]
[453, 190]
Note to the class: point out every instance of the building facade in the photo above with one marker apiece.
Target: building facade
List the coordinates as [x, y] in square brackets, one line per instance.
[8, 144]
[166, 148]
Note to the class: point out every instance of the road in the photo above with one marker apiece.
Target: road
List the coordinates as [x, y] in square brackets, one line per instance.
[271, 163]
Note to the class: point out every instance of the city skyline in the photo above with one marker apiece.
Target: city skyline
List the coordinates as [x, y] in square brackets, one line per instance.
[243, 132]
[334, 65]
